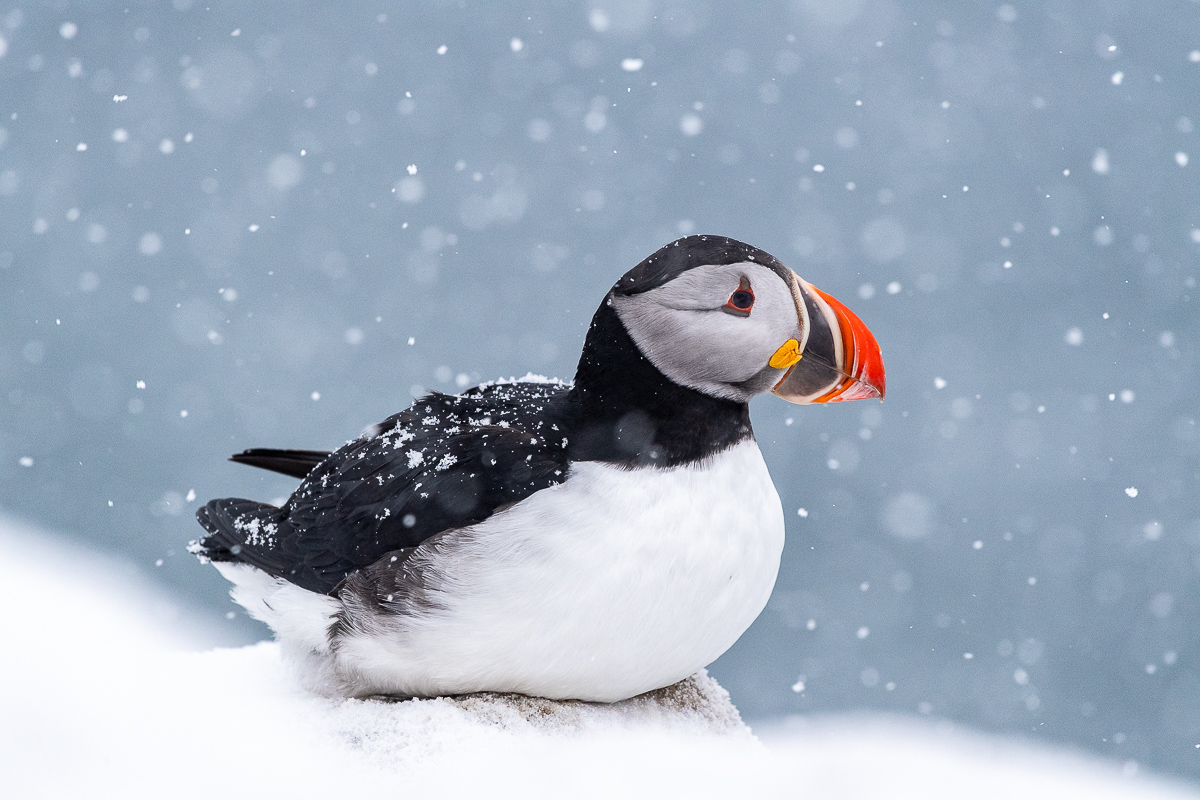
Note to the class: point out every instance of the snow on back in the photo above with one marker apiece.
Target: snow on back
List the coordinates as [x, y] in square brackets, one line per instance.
[528, 377]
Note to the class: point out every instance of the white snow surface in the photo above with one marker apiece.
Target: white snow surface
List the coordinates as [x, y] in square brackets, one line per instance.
[100, 696]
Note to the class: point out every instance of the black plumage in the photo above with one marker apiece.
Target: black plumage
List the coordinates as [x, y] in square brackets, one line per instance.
[676, 258]
[451, 461]
[444, 463]
[297, 463]
[622, 410]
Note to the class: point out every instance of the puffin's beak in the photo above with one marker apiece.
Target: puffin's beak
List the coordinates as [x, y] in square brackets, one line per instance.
[836, 357]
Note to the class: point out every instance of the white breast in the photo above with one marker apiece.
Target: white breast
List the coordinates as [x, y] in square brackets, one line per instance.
[610, 584]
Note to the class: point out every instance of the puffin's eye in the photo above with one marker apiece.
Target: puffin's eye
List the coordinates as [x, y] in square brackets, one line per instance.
[741, 301]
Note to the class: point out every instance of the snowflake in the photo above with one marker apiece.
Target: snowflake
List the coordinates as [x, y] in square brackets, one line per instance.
[257, 533]
[402, 435]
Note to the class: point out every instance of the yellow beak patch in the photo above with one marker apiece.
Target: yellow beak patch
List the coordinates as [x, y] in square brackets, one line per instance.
[787, 355]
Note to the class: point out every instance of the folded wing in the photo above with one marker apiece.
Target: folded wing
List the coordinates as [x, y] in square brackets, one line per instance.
[442, 464]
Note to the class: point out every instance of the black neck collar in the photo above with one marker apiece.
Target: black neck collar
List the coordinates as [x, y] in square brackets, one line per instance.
[624, 411]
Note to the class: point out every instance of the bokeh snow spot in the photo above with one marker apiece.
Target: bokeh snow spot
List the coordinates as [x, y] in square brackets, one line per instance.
[285, 171]
[150, 244]
[908, 516]
[410, 189]
[539, 130]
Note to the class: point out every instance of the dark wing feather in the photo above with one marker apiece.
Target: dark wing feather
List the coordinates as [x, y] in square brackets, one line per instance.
[444, 463]
[297, 463]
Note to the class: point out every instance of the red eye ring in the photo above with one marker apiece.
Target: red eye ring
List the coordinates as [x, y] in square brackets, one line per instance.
[741, 301]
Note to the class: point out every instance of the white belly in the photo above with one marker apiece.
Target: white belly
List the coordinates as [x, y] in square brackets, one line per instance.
[613, 583]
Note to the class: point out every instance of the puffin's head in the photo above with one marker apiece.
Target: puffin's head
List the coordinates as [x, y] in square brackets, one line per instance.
[731, 321]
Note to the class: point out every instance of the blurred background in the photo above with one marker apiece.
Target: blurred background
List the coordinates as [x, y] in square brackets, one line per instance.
[226, 225]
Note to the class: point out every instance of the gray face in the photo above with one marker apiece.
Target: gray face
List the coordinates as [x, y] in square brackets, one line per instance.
[689, 329]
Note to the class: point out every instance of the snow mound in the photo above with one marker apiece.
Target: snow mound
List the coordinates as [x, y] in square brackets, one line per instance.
[408, 733]
[100, 698]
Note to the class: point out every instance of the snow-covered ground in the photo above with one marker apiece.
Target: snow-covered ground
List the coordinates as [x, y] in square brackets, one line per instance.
[100, 696]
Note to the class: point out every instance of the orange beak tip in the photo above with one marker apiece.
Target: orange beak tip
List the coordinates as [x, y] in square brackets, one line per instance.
[864, 359]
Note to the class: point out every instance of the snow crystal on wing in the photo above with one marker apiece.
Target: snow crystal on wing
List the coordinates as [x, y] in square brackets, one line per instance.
[527, 378]
[530, 377]
[258, 533]
[403, 436]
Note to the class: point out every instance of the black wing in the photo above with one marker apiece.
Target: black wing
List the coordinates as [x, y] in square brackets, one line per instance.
[297, 463]
[444, 463]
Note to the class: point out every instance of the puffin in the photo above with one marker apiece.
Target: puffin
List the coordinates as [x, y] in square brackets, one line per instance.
[590, 540]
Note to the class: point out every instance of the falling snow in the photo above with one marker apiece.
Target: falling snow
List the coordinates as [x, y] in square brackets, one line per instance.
[387, 202]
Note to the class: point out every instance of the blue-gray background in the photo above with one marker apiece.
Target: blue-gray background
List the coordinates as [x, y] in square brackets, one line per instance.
[217, 200]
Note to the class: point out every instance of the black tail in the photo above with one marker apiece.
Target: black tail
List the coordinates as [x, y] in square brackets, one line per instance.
[297, 463]
[239, 530]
